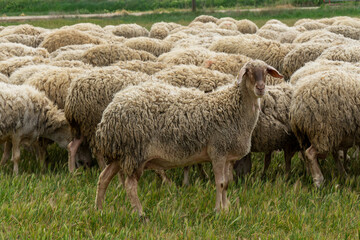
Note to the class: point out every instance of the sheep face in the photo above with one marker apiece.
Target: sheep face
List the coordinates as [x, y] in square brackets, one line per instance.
[254, 75]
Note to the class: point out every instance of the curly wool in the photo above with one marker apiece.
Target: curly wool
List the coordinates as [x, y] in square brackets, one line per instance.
[151, 45]
[25, 29]
[10, 65]
[321, 65]
[69, 48]
[70, 64]
[4, 78]
[130, 30]
[91, 92]
[228, 25]
[54, 82]
[330, 114]
[193, 76]
[195, 56]
[246, 26]
[272, 52]
[107, 54]
[8, 50]
[346, 31]
[322, 36]
[300, 55]
[161, 30]
[205, 19]
[147, 67]
[268, 34]
[27, 40]
[19, 76]
[63, 37]
[346, 53]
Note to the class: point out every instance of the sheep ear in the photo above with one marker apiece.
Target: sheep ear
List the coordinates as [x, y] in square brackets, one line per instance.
[273, 72]
[241, 74]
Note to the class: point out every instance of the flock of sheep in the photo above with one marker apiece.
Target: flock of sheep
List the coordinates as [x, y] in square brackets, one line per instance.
[132, 99]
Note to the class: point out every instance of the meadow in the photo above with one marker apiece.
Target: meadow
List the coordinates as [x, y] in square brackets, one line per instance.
[55, 204]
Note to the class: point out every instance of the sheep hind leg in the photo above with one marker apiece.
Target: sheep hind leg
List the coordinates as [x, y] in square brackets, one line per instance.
[72, 149]
[16, 154]
[220, 173]
[339, 165]
[162, 175]
[311, 155]
[131, 186]
[104, 179]
[266, 164]
[6, 154]
[186, 176]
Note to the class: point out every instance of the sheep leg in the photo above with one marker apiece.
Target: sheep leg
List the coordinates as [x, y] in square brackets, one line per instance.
[228, 178]
[220, 172]
[243, 166]
[131, 185]
[162, 176]
[311, 155]
[202, 172]
[72, 149]
[339, 165]
[6, 154]
[306, 168]
[186, 176]
[40, 149]
[104, 179]
[16, 154]
[267, 162]
[288, 156]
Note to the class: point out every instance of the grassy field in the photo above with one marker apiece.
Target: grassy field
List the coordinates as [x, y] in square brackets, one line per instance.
[288, 16]
[59, 205]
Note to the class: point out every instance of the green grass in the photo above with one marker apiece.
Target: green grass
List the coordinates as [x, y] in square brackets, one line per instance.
[58, 205]
[287, 16]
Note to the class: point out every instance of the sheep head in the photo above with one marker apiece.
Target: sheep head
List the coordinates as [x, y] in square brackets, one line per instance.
[254, 74]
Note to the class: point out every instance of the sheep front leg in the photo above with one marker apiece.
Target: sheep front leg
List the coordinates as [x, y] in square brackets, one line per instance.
[16, 154]
[220, 169]
[131, 185]
[266, 163]
[311, 156]
[104, 179]
[186, 176]
[6, 154]
[72, 148]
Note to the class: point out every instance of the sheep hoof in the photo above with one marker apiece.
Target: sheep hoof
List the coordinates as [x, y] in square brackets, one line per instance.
[318, 182]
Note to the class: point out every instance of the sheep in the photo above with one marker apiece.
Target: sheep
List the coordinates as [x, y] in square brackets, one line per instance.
[158, 126]
[346, 53]
[271, 52]
[10, 65]
[25, 29]
[151, 45]
[288, 36]
[205, 19]
[8, 50]
[275, 27]
[70, 64]
[130, 31]
[68, 48]
[160, 30]
[352, 22]
[272, 131]
[195, 55]
[268, 34]
[322, 36]
[28, 114]
[64, 37]
[246, 26]
[147, 67]
[227, 19]
[228, 25]
[28, 40]
[201, 25]
[275, 21]
[346, 31]
[316, 120]
[193, 76]
[86, 27]
[72, 55]
[312, 25]
[106, 54]
[300, 55]
[322, 65]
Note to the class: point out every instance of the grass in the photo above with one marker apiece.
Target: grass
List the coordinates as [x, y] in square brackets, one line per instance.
[59, 205]
[288, 16]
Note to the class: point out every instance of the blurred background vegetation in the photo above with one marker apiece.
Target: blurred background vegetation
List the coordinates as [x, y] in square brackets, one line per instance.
[13, 7]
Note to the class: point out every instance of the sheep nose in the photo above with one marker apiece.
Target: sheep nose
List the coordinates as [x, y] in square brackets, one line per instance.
[260, 86]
